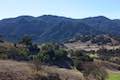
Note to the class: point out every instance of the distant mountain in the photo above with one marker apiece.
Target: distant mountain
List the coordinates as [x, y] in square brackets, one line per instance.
[48, 28]
[103, 24]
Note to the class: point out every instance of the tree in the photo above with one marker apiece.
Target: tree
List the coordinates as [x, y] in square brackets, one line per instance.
[26, 40]
[54, 55]
[18, 54]
[79, 57]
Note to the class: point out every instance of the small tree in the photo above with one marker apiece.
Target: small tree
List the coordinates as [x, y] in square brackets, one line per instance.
[26, 40]
[79, 57]
[18, 53]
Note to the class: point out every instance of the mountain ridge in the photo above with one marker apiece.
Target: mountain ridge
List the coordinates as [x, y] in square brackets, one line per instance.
[48, 28]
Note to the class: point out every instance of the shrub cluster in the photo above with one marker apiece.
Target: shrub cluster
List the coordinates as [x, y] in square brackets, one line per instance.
[109, 55]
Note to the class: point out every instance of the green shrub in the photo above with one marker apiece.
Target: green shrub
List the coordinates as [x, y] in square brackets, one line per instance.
[26, 40]
[3, 56]
[18, 54]
[42, 57]
[79, 57]
[51, 52]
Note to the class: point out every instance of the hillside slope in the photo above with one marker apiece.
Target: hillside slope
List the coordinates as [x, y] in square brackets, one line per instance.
[12, 70]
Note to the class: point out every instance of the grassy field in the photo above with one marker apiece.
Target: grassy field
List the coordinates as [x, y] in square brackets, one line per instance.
[114, 76]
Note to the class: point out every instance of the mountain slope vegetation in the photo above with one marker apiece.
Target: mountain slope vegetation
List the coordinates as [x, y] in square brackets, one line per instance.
[49, 28]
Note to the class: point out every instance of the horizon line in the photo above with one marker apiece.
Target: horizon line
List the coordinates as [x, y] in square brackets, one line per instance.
[58, 16]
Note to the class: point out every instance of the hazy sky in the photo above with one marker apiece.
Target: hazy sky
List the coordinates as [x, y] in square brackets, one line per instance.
[68, 8]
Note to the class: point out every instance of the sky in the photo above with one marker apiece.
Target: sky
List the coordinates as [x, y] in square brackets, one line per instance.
[67, 8]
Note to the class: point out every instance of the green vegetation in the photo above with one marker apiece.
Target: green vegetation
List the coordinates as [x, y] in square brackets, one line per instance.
[26, 40]
[109, 55]
[56, 55]
[114, 76]
[85, 63]
[79, 57]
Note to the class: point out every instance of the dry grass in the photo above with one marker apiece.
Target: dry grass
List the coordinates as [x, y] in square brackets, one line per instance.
[65, 74]
[84, 46]
[108, 65]
[12, 70]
